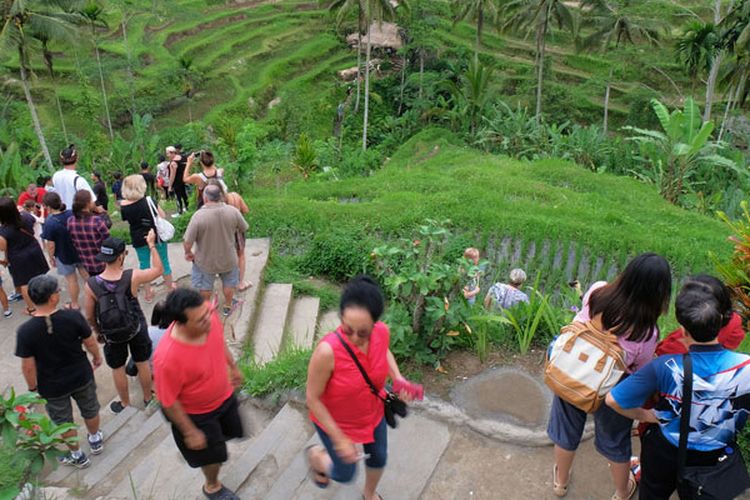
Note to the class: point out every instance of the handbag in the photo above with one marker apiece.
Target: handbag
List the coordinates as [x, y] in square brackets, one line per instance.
[723, 481]
[392, 405]
[164, 228]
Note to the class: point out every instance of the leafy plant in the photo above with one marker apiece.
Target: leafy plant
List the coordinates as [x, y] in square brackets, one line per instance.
[304, 158]
[675, 153]
[32, 435]
[735, 272]
[417, 276]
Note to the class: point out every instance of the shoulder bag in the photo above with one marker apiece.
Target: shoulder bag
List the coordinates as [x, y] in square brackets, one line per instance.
[723, 481]
[392, 405]
[164, 228]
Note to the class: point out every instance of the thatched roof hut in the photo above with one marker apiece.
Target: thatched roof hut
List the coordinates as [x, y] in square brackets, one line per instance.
[382, 36]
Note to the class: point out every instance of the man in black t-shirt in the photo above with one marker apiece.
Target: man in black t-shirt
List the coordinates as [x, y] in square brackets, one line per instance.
[100, 191]
[53, 364]
[149, 178]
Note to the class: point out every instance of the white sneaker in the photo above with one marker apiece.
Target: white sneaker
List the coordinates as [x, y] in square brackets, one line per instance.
[174, 216]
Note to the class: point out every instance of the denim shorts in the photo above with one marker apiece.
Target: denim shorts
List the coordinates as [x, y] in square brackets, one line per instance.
[343, 472]
[144, 257]
[612, 431]
[66, 269]
[205, 281]
[60, 409]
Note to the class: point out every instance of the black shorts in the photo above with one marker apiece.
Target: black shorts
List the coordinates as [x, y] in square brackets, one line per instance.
[116, 355]
[220, 425]
[60, 409]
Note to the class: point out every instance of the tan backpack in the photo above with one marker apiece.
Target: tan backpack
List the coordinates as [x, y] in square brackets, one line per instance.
[583, 364]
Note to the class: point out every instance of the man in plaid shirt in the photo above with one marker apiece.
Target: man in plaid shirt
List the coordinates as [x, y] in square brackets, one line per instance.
[87, 232]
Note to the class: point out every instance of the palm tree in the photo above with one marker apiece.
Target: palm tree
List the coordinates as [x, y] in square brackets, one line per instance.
[537, 16]
[93, 13]
[470, 94]
[186, 72]
[697, 48]
[613, 28]
[48, 62]
[735, 41]
[21, 21]
[342, 8]
[376, 11]
[479, 10]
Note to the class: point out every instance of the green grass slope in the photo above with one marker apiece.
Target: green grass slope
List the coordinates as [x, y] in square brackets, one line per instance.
[488, 197]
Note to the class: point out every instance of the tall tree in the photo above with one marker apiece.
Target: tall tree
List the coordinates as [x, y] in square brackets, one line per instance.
[93, 13]
[49, 63]
[735, 40]
[21, 19]
[613, 27]
[341, 9]
[480, 11]
[376, 11]
[537, 17]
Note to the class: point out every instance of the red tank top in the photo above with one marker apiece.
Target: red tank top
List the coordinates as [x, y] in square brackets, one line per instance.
[347, 396]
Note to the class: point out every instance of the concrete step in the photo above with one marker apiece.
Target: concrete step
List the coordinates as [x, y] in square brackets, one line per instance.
[109, 430]
[237, 325]
[269, 330]
[253, 473]
[328, 322]
[133, 441]
[414, 450]
[163, 473]
[304, 320]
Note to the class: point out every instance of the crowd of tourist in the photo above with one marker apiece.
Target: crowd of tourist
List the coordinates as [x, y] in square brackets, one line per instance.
[183, 360]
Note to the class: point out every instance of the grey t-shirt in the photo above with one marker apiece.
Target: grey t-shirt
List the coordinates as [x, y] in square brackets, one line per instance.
[505, 296]
[212, 229]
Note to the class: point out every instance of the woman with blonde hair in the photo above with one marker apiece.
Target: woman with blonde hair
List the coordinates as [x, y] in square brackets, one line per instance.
[136, 211]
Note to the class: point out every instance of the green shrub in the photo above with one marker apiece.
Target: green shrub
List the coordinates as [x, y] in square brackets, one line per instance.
[338, 254]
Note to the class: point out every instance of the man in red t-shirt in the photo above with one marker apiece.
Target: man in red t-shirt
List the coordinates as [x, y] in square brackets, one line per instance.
[195, 376]
[33, 192]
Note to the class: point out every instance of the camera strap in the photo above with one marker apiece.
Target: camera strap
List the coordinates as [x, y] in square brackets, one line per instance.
[373, 389]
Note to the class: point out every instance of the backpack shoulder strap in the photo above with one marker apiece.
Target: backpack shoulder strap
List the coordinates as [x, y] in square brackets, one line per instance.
[685, 407]
[124, 285]
[75, 183]
[95, 285]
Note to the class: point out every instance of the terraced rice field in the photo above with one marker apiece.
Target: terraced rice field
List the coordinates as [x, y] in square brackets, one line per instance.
[256, 51]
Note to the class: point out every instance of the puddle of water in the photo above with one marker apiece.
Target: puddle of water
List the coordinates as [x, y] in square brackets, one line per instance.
[506, 394]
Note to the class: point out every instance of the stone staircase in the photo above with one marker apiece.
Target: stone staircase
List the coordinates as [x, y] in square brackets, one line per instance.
[437, 452]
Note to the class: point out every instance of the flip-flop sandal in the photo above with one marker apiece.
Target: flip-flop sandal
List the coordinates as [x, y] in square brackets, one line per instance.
[560, 489]
[320, 479]
[380, 497]
[223, 494]
[632, 486]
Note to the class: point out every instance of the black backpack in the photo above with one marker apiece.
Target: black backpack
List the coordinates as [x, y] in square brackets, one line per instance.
[117, 314]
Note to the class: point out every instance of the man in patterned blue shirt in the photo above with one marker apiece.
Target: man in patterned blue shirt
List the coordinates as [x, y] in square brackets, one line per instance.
[720, 405]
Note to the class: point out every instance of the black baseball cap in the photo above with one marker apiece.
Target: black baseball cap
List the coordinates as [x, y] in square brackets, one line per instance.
[110, 250]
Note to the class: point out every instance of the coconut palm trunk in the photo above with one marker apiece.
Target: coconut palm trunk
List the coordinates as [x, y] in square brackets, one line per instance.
[480, 26]
[47, 55]
[606, 103]
[104, 89]
[32, 109]
[541, 43]
[713, 75]
[421, 71]
[129, 68]
[359, 68]
[367, 87]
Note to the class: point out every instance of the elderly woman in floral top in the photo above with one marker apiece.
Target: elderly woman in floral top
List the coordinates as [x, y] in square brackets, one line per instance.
[88, 231]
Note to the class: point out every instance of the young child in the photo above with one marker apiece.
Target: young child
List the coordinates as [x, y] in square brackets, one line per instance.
[33, 208]
[473, 275]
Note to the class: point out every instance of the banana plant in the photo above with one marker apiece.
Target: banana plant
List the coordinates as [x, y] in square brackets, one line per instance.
[683, 146]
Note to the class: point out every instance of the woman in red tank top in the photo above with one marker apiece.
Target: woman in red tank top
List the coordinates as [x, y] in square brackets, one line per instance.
[342, 407]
